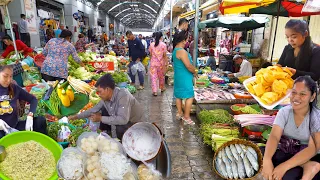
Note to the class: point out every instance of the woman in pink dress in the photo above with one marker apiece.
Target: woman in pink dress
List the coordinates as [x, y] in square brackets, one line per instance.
[158, 63]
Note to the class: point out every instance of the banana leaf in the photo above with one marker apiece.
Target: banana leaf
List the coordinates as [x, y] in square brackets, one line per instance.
[80, 100]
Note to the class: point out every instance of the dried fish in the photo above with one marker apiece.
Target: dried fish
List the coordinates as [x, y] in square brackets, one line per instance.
[234, 152]
[248, 167]
[234, 170]
[241, 170]
[221, 167]
[229, 154]
[253, 161]
[253, 152]
[229, 169]
[224, 156]
[239, 150]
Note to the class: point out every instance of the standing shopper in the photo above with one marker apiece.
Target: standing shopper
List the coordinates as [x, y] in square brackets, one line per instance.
[10, 94]
[158, 63]
[23, 29]
[136, 52]
[49, 33]
[57, 51]
[183, 76]
[301, 54]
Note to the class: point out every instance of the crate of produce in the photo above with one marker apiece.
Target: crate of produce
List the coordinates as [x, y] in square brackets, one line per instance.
[234, 153]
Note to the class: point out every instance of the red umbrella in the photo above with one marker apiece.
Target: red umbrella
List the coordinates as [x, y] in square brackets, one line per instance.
[286, 9]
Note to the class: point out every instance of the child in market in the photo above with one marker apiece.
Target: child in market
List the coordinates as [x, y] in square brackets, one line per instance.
[145, 62]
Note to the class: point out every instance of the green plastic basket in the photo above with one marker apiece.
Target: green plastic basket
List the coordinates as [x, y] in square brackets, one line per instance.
[24, 136]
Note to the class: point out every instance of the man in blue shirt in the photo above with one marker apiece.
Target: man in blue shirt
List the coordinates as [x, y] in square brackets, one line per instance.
[136, 52]
[58, 31]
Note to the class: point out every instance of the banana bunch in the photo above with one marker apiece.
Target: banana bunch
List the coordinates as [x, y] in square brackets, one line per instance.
[271, 84]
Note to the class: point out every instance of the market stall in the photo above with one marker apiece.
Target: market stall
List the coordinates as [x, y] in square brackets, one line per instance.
[238, 125]
[88, 152]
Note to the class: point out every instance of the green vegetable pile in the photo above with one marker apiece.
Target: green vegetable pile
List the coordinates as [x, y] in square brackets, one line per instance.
[131, 89]
[215, 116]
[81, 73]
[120, 77]
[97, 76]
[40, 109]
[54, 103]
[226, 133]
[75, 135]
[72, 63]
[78, 122]
[253, 109]
[91, 68]
[53, 130]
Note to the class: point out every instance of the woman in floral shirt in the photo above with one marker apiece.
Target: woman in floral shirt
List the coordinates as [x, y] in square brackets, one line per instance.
[158, 63]
[82, 45]
[57, 51]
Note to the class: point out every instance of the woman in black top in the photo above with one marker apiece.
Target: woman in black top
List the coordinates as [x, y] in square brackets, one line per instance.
[301, 55]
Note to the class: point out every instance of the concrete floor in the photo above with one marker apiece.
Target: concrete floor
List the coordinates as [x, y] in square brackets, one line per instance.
[191, 159]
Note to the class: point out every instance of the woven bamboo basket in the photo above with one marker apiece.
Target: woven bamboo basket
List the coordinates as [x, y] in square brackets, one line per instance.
[246, 143]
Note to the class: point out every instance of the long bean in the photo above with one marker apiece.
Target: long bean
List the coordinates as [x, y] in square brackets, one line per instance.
[55, 103]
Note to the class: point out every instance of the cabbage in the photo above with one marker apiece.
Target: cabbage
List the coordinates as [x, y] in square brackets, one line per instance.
[82, 73]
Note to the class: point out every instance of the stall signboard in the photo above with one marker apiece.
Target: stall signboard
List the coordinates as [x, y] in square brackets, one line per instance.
[104, 66]
[30, 9]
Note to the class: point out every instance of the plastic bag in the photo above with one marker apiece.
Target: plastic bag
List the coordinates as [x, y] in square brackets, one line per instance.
[132, 173]
[39, 90]
[106, 144]
[144, 173]
[134, 69]
[114, 166]
[140, 66]
[93, 167]
[87, 143]
[71, 164]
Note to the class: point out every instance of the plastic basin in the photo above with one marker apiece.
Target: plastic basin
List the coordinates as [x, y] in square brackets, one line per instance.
[24, 136]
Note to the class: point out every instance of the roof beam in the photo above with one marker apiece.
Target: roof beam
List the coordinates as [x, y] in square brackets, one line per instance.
[127, 2]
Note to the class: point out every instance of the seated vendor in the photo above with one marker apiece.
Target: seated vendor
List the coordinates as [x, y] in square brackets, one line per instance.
[117, 107]
[10, 94]
[245, 67]
[290, 152]
[211, 62]
[21, 47]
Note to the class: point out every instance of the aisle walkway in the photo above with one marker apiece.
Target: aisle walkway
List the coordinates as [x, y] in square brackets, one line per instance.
[191, 159]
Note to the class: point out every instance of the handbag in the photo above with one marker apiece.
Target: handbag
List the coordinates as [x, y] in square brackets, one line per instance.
[290, 145]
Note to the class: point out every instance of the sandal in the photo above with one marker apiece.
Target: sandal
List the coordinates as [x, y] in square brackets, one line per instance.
[178, 116]
[162, 90]
[140, 88]
[154, 94]
[188, 121]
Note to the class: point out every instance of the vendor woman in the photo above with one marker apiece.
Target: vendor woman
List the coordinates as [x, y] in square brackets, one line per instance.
[57, 51]
[117, 108]
[21, 47]
[283, 159]
[301, 54]
[10, 94]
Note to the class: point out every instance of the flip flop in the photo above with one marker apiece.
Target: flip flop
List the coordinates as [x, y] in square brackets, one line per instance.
[154, 94]
[188, 121]
[178, 116]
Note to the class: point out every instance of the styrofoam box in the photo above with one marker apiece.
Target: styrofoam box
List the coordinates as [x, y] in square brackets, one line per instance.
[267, 106]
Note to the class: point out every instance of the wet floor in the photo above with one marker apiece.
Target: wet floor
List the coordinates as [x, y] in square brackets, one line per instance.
[190, 158]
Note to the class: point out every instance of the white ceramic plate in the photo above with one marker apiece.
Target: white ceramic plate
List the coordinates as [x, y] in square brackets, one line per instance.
[267, 106]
